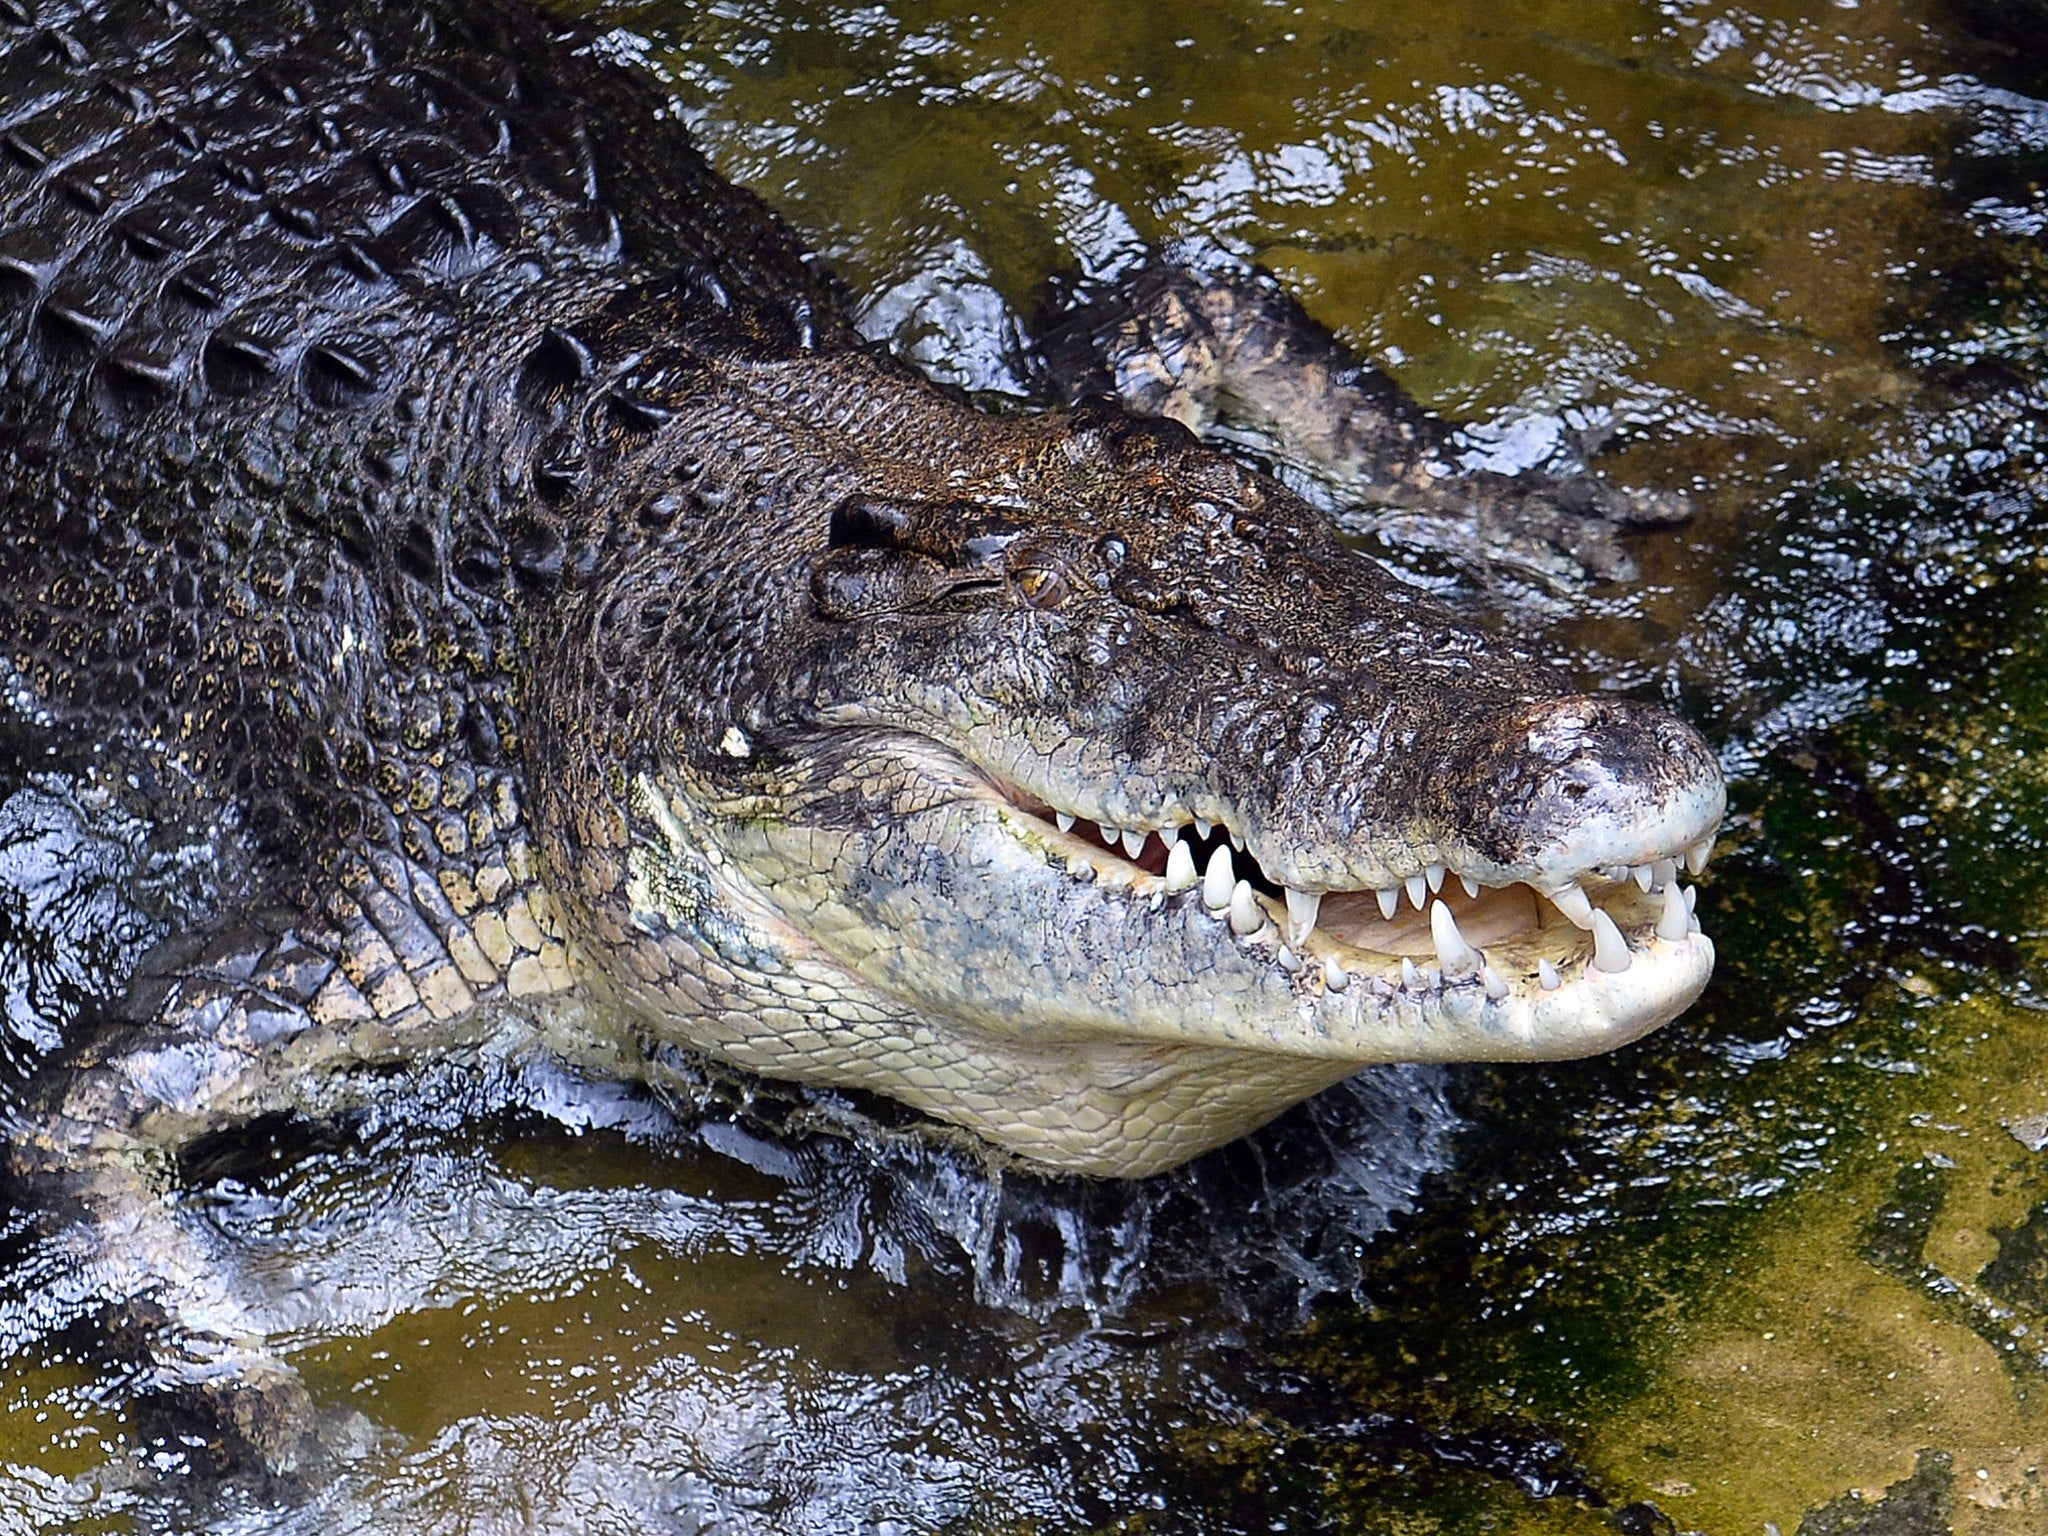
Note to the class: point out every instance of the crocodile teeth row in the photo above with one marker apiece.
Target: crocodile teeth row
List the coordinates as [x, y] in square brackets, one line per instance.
[1234, 900]
[1655, 875]
[1455, 956]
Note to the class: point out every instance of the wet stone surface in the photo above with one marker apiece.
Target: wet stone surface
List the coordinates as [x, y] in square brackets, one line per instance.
[1919, 1505]
[1782, 1268]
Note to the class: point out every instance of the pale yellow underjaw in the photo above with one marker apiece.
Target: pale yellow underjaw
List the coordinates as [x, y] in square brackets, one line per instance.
[1434, 928]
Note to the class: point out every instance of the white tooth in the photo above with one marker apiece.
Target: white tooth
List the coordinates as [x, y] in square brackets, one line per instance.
[1245, 915]
[1180, 868]
[1109, 833]
[1665, 870]
[1573, 903]
[1080, 868]
[1410, 977]
[1290, 961]
[1418, 891]
[1546, 973]
[1302, 907]
[1644, 876]
[1335, 977]
[1133, 842]
[1471, 886]
[1170, 836]
[1217, 880]
[1674, 922]
[1452, 952]
[1435, 876]
[1489, 978]
[1390, 901]
[1235, 841]
[1697, 855]
[1615, 872]
[1610, 949]
[1203, 828]
[1692, 898]
[1063, 821]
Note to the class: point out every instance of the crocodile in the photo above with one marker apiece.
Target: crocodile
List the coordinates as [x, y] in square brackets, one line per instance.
[419, 462]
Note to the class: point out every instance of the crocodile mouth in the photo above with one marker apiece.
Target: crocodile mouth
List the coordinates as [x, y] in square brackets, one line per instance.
[1112, 1000]
[1439, 935]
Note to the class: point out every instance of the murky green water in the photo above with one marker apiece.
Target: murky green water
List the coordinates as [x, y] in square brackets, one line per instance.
[1747, 1275]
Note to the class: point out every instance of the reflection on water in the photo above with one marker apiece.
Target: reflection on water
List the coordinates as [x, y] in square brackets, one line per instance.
[1700, 237]
[1783, 256]
[810, 1332]
[529, 1281]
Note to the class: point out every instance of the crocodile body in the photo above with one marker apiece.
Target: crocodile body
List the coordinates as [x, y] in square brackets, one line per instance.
[411, 448]
[288, 459]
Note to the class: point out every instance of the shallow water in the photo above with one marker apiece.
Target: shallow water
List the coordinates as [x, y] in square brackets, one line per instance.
[1772, 1259]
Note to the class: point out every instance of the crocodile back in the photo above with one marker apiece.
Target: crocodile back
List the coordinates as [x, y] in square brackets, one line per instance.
[275, 284]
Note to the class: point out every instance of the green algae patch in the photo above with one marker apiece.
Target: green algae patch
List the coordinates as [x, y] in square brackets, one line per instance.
[55, 1441]
[1867, 1321]
[1737, 1355]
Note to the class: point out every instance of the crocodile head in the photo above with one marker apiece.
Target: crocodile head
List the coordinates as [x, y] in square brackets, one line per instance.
[1102, 801]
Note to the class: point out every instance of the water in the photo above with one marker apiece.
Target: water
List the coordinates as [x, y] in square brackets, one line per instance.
[1784, 257]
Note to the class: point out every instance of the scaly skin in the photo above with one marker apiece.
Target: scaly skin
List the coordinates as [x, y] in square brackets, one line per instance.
[411, 445]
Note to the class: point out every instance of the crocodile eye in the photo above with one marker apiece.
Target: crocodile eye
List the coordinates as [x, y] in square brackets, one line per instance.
[1041, 586]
